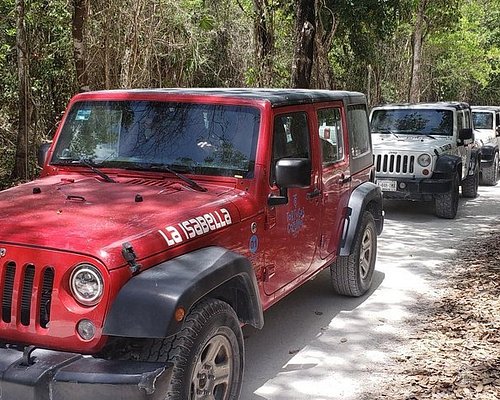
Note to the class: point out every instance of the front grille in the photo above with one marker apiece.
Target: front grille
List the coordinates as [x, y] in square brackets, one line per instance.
[22, 289]
[395, 163]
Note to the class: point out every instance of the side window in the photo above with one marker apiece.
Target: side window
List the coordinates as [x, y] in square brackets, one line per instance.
[330, 134]
[359, 132]
[460, 121]
[290, 138]
[498, 119]
[467, 119]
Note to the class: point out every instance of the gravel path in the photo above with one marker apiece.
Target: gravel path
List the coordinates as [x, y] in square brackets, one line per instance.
[317, 345]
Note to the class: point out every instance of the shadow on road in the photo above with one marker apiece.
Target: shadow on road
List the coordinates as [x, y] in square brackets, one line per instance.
[320, 346]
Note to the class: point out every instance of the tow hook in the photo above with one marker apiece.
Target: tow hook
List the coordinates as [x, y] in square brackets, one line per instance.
[27, 359]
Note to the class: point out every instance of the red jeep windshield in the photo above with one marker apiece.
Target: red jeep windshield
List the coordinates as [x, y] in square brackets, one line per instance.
[199, 138]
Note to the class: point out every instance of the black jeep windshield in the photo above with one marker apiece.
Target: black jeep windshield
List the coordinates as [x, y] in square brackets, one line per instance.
[482, 120]
[199, 138]
[413, 122]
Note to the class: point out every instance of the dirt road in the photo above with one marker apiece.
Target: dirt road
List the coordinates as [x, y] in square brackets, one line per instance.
[317, 345]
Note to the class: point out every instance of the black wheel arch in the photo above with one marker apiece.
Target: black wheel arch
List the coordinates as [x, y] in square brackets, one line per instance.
[488, 151]
[365, 197]
[448, 164]
[145, 306]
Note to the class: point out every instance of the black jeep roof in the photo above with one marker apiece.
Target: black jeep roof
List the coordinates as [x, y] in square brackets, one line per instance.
[486, 108]
[450, 104]
[277, 97]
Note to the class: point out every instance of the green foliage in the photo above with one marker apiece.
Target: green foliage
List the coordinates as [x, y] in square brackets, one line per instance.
[162, 43]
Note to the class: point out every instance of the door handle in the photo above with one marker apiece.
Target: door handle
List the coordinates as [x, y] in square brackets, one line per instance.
[344, 179]
[315, 193]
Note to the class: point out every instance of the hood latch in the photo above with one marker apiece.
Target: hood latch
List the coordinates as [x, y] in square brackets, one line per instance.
[129, 255]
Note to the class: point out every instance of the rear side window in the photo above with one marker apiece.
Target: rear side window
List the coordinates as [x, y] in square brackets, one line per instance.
[330, 134]
[360, 145]
[460, 123]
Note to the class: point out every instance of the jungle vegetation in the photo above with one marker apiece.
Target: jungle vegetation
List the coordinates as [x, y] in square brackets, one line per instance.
[392, 50]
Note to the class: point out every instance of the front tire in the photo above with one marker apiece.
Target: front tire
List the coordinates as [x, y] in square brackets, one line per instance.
[470, 184]
[447, 203]
[490, 174]
[353, 275]
[207, 354]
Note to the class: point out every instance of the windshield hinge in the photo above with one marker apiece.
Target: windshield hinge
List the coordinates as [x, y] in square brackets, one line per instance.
[129, 255]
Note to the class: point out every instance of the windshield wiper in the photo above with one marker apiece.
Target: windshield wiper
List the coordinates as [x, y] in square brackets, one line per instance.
[385, 132]
[88, 163]
[165, 167]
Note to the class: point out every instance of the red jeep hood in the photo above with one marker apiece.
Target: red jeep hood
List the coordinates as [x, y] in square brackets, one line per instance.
[88, 216]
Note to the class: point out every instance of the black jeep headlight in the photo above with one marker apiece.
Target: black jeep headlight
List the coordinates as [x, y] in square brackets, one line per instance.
[424, 160]
[86, 284]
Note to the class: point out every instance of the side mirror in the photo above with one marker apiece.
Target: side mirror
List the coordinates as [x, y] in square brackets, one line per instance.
[290, 173]
[466, 134]
[42, 153]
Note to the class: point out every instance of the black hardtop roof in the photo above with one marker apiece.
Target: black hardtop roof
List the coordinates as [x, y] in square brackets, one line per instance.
[486, 108]
[442, 104]
[277, 97]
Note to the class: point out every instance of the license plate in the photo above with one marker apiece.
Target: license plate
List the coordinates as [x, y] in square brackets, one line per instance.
[389, 186]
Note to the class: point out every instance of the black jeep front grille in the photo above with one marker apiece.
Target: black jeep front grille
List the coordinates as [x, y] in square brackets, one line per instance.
[32, 288]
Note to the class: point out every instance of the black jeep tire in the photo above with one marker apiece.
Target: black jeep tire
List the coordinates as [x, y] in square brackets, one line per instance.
[446, 204]
[489, 175]
[353, 275]
[470, 184]
[208, 354]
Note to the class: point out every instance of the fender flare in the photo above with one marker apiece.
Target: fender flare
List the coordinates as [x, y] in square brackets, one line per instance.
[367, 196]
[448, 164]
[145, 306]
[488, 152]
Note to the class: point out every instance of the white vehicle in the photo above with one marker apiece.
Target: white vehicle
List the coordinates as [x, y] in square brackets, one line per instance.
[425, 152]
[487, 132]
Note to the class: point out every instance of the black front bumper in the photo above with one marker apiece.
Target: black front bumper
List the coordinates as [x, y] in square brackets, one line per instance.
[55, 375]
[418, 189]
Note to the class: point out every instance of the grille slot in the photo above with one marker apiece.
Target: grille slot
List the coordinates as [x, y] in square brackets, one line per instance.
[27, 291]
[46, 297]
[398, 164]
[8, 289]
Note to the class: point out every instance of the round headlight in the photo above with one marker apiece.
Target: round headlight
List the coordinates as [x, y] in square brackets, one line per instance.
[424, 160]
[86, 284]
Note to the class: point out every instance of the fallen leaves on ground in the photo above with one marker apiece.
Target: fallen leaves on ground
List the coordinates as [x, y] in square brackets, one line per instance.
[455, 352]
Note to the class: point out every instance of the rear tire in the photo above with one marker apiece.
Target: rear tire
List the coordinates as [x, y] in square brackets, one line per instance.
[353, 275]
[447, 203]
[490, 174]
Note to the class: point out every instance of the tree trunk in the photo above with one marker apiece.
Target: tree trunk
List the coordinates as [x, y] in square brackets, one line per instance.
[264, 42]
[417, 41]
[323, 43]
[304, 44]
[20, 170]
[80, 13]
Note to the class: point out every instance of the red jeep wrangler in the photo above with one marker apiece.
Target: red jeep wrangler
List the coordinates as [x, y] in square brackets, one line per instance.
[163, 221]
